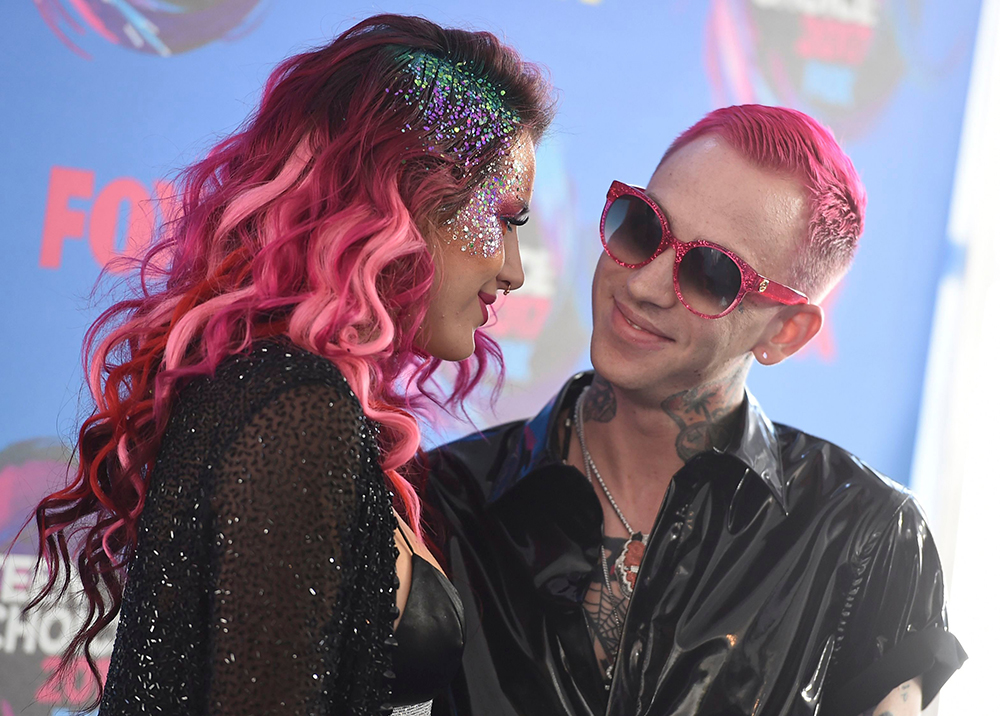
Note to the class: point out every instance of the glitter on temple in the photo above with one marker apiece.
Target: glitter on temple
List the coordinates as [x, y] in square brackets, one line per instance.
[461, 115]
[477, 225]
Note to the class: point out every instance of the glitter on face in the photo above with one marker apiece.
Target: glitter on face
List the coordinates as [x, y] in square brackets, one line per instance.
[477, 225]
[461, 115]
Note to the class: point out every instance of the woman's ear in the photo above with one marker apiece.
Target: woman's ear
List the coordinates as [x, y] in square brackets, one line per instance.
[789, 331]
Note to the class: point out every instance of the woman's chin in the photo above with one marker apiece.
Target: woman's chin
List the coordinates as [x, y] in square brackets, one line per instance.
[454, 350]
[463, 351]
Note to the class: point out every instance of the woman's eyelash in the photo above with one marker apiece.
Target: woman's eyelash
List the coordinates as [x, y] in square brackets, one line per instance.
[515, 220]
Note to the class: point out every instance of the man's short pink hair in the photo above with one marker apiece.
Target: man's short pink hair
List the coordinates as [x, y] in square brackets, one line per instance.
[791, 142]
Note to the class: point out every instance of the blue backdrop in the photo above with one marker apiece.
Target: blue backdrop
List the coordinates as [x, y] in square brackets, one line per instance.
[104, 99]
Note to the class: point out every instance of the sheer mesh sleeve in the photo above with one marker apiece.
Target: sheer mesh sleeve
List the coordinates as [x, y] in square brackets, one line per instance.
[285, 505]
[264, 573]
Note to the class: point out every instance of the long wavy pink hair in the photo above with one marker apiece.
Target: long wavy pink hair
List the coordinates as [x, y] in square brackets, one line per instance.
[305, 223]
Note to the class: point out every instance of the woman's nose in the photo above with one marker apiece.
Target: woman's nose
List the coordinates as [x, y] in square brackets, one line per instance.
[511, 276]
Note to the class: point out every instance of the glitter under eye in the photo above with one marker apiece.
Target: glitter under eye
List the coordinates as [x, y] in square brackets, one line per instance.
[477, 224]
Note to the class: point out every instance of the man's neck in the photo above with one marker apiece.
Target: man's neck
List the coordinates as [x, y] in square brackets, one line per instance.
[639, 444]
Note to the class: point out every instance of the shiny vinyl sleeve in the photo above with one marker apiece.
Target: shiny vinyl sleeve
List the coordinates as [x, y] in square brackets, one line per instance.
[783, 577]
[894, 626]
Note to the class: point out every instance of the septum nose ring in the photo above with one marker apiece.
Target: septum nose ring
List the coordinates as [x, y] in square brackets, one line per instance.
[506, 291]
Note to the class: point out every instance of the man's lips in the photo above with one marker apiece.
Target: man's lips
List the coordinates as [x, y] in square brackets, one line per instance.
[638, 322]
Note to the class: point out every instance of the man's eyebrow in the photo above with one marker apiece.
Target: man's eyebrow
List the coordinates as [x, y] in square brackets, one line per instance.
[751, 260]
[661, 207]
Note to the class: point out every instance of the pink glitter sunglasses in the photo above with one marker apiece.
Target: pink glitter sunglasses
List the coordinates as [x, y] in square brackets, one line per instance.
[708, 279]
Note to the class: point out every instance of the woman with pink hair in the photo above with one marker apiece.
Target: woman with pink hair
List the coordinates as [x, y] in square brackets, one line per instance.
[238, 482]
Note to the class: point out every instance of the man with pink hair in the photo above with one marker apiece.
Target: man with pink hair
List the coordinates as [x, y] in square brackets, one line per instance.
[650, 543]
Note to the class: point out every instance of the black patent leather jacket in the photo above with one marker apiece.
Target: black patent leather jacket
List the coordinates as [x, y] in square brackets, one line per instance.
[782, 578]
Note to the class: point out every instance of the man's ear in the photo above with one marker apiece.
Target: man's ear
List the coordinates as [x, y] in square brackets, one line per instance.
[792, 328]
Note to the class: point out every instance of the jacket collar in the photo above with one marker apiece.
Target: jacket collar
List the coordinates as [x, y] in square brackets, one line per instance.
[757, 446]
[758, 449]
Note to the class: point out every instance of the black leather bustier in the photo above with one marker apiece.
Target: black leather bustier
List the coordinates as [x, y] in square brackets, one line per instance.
[431, 636]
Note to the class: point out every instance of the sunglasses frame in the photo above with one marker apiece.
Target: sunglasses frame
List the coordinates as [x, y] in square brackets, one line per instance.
[751, 281]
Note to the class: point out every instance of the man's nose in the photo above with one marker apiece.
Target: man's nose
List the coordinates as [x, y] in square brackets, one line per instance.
[654, 282]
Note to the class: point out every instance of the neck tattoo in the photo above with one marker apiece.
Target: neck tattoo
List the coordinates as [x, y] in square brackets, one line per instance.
[626, 567]
[706, 416]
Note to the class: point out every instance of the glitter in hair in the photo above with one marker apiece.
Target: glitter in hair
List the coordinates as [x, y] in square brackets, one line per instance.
[461, 115]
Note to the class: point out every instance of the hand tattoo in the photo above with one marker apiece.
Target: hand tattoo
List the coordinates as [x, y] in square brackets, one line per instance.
[706, 415]
[599, 404]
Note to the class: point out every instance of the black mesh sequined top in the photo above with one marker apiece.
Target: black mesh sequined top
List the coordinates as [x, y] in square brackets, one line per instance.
[264, 576]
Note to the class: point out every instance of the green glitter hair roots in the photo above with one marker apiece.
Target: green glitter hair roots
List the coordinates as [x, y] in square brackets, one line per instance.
[461, 113]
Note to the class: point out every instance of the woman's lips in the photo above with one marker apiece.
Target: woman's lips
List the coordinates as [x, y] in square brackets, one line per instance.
[485, 299]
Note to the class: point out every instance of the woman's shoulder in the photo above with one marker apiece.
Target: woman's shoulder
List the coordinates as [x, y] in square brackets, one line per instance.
[276, 382]
[246, 382]
[276, 365]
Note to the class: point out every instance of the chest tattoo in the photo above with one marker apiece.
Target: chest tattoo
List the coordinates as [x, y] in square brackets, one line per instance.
[605, 610]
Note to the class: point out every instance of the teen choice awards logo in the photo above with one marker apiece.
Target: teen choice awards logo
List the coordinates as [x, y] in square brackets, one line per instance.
[156, 27]
[32, 643]
[839, 60]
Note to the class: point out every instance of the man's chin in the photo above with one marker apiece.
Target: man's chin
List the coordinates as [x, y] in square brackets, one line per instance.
[628, 373]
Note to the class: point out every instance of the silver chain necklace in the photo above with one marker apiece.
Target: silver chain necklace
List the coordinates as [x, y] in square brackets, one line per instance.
[627, 564]
[592, 467]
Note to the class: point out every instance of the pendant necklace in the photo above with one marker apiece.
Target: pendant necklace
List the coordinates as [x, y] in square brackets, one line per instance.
[627, 564]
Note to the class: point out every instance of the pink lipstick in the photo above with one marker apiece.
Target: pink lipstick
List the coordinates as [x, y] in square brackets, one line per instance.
[485, 299]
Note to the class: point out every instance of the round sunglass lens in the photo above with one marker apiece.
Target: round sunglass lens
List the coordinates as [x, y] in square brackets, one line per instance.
[631, 230]
[709, 280]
